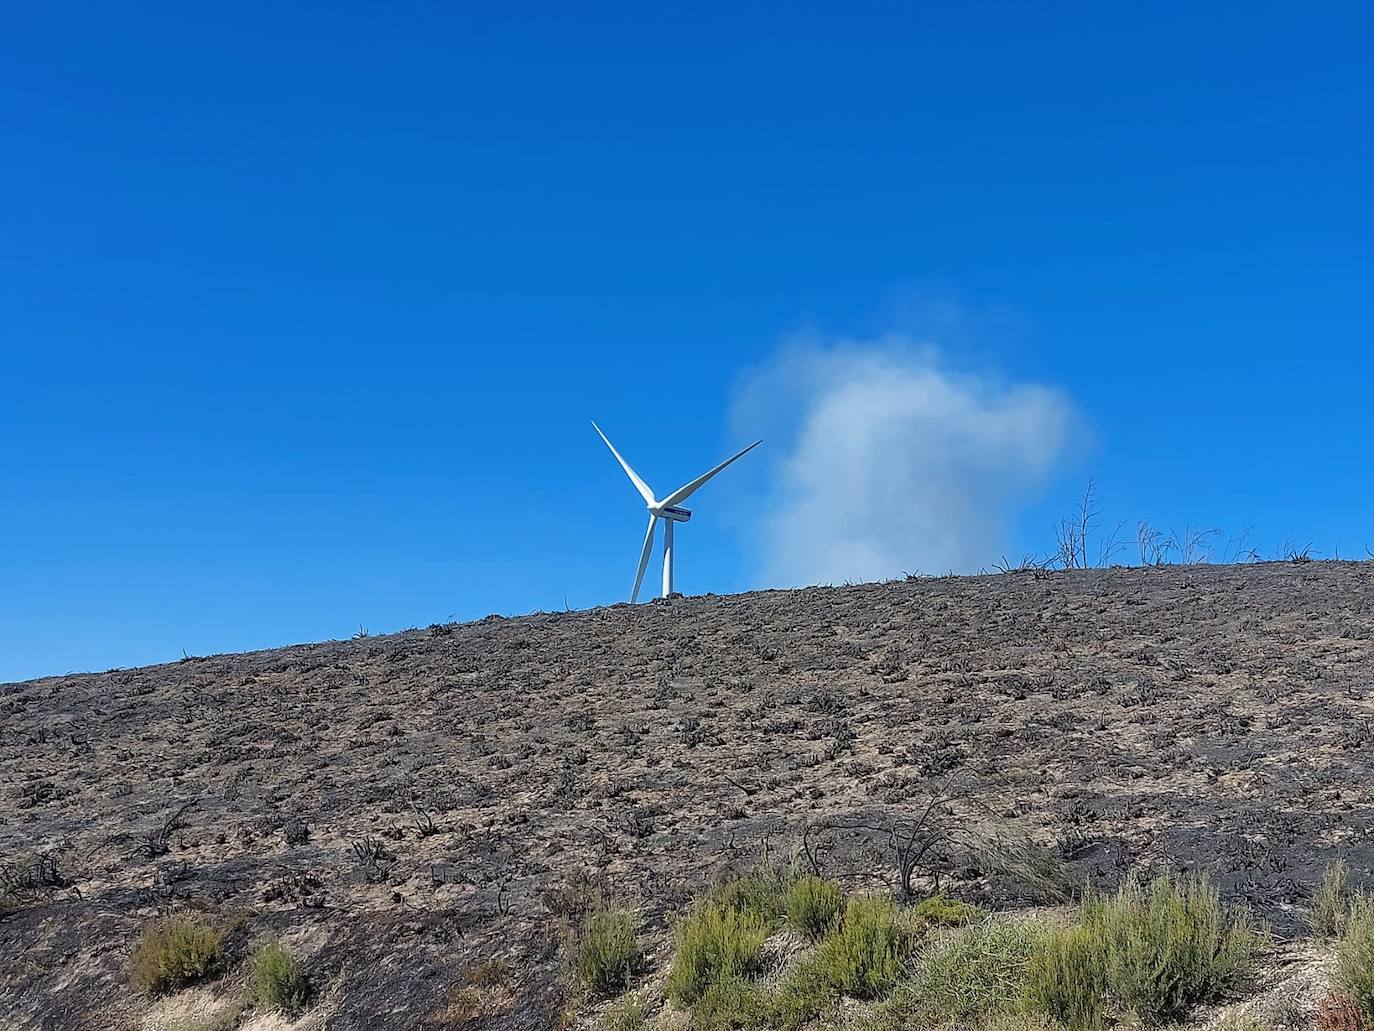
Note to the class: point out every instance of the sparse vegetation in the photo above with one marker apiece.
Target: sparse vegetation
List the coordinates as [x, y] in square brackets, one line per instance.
[813, 904]
[627, 1014]
[1067, 978]
[1355, 956]
[606, 952]
[761, 892]
[1331, 901]
[173, 953]
[863, 955]
[1236, 1021]
[1170, 945]
[538, 792]
[975, 973]
[716, 946]
[942, 911]
[729, 1003]
[276, 980]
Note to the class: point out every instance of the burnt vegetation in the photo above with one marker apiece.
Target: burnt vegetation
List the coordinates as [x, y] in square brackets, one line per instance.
[466, 795]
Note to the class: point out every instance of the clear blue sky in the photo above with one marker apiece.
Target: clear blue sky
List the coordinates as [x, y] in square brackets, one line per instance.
[304, 309]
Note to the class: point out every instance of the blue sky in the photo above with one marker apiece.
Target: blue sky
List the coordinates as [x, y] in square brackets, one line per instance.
[304, 310]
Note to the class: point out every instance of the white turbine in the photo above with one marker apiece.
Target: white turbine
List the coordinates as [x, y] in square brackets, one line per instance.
[667, 510]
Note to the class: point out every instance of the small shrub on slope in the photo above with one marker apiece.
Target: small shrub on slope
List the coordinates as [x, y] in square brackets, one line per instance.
[801, 997]
[1170, 946]
[1355, 957]
[276, 980]
[761, 893]
[1331, 901]
[605, 952]
[715, 945]
[173, 953]
[813, 904]
[1067, 979]
[730, 1005]
[976, 973]
[629, 1014]
[863, 956]
[946, 912]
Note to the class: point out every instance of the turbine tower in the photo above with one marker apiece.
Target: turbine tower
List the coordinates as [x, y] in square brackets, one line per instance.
[668, 510]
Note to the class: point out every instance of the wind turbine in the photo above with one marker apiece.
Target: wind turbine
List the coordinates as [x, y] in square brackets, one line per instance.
[668, 510]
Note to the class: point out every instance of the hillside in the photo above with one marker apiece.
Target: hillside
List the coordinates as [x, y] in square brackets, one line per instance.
[401, 808]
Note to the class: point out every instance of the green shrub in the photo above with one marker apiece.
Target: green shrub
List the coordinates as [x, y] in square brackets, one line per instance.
[628, 1014]
[760, 892]
[605, 952]
[276, 981]
[1067, 978]
[1331, 901]
[1355, 956]
[1170, 946]
[728, 1004]
[946, 912]
[813, 904]
[715, 945]
[971, 975]
[863, 955]
[175, 952]
[802, 996]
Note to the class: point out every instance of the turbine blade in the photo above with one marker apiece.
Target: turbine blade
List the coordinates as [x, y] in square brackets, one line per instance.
[640, 485]
[644, 559]
[680, 495]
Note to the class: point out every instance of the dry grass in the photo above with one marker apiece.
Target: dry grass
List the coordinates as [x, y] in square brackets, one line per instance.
[173, 953]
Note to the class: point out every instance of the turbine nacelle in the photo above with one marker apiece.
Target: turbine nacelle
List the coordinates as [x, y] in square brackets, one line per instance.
[677, 515]
[669, 510]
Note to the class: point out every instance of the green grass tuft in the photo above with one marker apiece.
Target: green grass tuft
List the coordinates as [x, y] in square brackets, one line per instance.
[946, 912]
[1170, 946]
[1067, 979]
[276, 981]
[760, 892]
[813, 904]
[628, 1014]
[863, 956]
[173, 953]
[1355, 956]
[1331, 901]
[606, 952]
[970, 975]
[729, 1004]
[715, 945]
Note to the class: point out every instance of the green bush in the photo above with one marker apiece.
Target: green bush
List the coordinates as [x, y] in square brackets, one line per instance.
[715, 945]
[173, 953]
[801, 997]
[946, 912]
[728, 1004]
[1355, 956]
[628, 1014]
[813, 904]
[760, 892]
[863, 955]
[971, 975]
[276, 980]
[1067, 978]
[1331, 901]
[1170, 946]
[605, 952]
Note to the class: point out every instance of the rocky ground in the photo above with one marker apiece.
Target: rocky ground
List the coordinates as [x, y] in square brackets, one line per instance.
[399, 809]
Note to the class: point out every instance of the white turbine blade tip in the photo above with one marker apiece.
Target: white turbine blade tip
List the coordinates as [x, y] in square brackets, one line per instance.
[683, 493]
[644, 491]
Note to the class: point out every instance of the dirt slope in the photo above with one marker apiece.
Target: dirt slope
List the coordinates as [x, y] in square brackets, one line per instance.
[1203, 716]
